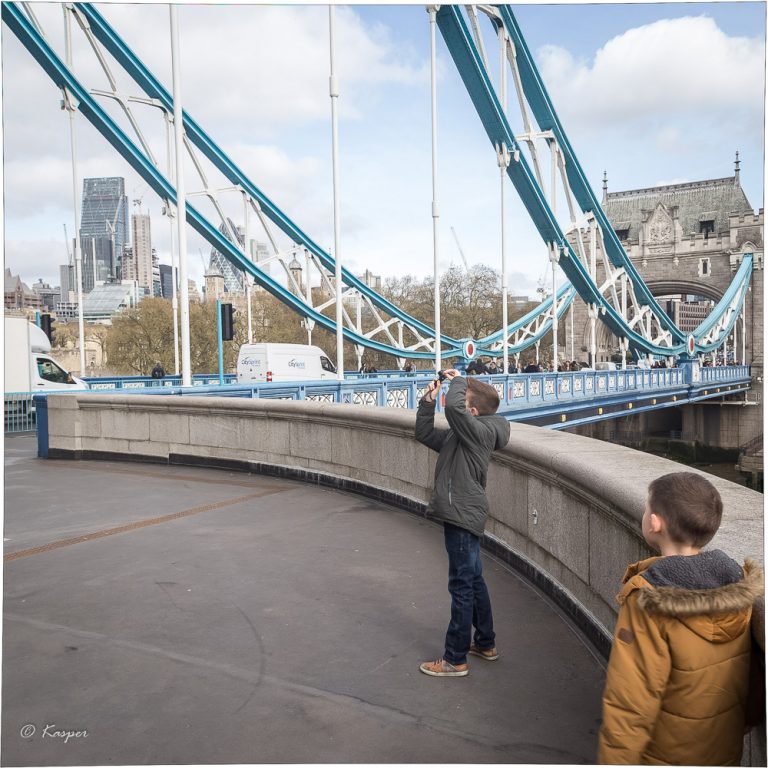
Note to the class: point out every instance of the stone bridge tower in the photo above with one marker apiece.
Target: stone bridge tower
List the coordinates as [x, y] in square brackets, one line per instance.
[687, 240]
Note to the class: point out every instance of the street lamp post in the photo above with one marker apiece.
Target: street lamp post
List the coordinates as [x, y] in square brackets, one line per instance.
[334, 93]
[181, 208]
[70, 105]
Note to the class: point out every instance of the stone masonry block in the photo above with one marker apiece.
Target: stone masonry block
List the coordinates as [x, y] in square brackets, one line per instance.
[65, 423]
[311, 440]
[507, 492]
[213, 430]
[169, 427]
[359, 449]
[611, 549]
[148, 448]
[64, 443]
[90, 423]
[63, 403]
[129, 425]
[108, 444]
[405, 460]
[265, 436]
[560, 525]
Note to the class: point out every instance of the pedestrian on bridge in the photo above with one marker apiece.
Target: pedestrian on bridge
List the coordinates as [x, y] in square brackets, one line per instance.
[459, 501]
[678, 675]
[158, 372]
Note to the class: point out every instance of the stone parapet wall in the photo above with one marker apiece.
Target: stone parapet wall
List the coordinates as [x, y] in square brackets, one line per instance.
[565, 509]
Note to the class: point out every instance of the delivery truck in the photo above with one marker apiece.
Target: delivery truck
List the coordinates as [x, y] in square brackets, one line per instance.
[261, 363]
[28, 364]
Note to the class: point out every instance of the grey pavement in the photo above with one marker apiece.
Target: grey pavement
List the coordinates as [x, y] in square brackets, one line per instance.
[180, 615]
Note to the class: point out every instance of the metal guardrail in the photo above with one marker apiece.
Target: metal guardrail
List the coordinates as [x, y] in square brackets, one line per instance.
[142, 382]
[710, 374]
[19, 412]
[201, 380]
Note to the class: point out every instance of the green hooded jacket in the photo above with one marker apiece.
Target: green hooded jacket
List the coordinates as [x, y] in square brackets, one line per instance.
[465, 452]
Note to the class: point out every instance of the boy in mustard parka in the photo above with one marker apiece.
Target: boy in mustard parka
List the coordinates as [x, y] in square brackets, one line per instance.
[678, 674]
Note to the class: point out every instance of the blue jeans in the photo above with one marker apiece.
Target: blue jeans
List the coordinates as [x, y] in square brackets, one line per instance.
[470, 601]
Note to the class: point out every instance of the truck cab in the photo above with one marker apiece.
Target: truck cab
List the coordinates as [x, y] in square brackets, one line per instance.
[28, 365]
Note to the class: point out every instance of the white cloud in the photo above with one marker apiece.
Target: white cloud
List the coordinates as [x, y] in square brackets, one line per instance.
[250, 75]
[264, 66]
[33, 258]
[672, 67]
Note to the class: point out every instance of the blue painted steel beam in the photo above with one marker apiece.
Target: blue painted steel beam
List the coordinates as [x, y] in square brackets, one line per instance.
[477, 81]
[153, 88]
[739, 284]
[545, 306]
[18, 23]
[48, 60]
[546, 116]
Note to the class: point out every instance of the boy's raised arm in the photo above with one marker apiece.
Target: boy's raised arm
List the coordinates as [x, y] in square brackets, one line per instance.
[425, 421]
[467, 428]
[637, 676]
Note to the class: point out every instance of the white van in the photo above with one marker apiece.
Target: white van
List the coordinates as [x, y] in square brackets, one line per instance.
[260, 363]
[28, 366]
[606, 365]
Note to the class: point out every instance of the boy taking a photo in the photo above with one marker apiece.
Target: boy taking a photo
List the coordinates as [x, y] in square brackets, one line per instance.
[459, 501]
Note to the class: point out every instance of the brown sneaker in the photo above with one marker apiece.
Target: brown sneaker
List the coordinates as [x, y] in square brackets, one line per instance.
[489, 654]
[441, 668]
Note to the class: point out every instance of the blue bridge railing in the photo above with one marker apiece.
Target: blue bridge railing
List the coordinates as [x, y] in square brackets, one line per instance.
[142, 382]
[549, 399]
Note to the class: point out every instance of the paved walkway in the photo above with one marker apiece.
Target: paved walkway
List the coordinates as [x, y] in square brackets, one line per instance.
[180, 615]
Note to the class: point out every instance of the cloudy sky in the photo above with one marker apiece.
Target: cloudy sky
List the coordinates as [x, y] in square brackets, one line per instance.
[650, 93]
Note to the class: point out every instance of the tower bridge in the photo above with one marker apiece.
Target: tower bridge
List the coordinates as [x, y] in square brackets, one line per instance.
[686, 239]
[286, 605]
[635, 317]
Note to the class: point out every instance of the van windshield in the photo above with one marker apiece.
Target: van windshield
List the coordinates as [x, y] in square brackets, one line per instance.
[49, 371]
[326, 364]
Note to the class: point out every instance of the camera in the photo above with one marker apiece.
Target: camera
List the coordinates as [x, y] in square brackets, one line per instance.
[441, 376]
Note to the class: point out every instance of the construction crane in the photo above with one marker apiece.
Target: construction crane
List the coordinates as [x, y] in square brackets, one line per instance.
[461, 250]
[66, 243]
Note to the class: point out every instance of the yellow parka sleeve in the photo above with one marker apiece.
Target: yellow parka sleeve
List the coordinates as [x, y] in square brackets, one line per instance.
[638, 671]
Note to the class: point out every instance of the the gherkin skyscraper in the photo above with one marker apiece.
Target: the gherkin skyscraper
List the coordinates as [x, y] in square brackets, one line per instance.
[233, 278]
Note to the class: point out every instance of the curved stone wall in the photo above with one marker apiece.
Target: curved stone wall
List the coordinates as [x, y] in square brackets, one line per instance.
[565, 509]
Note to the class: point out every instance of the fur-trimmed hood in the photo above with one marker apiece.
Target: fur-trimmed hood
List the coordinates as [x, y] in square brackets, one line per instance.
[709, 593]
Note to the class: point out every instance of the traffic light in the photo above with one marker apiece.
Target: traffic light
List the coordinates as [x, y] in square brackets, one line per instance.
[227, 322]
[46, 323]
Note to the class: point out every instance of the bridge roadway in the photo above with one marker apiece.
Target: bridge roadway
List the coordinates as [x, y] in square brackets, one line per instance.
[183, 615]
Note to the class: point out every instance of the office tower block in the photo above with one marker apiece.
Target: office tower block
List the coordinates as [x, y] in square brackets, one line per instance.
[67, 282]
[166, 281]
[103, 229]
[141, 257]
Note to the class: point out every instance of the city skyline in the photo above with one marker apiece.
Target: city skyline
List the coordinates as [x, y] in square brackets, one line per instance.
[676, 110]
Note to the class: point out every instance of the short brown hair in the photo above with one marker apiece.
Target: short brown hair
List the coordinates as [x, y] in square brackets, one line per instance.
[689, 504]
[484, 397]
